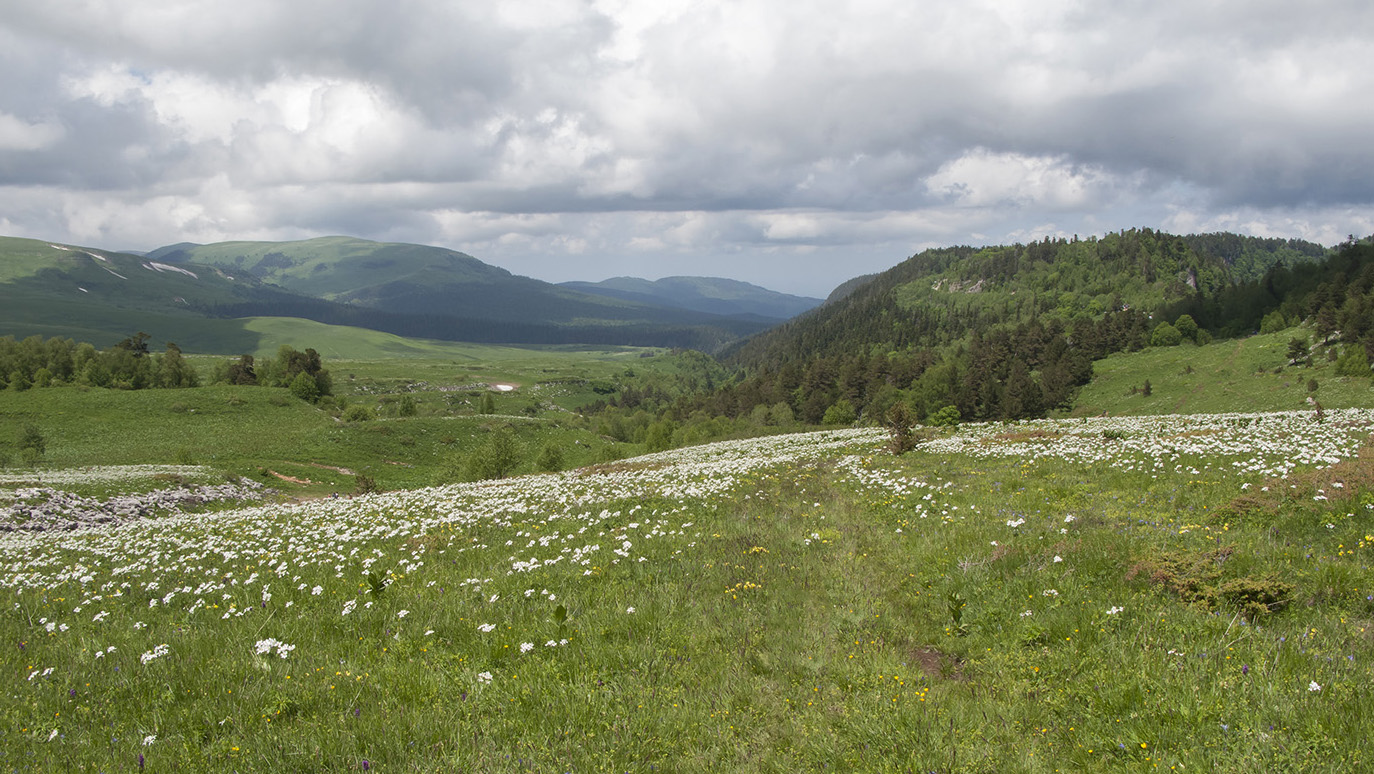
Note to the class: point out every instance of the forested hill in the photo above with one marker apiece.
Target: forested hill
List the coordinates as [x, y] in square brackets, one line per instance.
[1012, 332]
[941, 295]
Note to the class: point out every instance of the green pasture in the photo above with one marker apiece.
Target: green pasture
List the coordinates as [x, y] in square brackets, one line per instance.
[1249, 374]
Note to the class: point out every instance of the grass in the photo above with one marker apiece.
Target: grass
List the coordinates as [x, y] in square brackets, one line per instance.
[1251, 373]
[1094, 594]
[257, 431]
[994, 601]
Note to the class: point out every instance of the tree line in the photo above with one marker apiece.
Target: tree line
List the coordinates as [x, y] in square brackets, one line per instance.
[128, 365]
[36, 362]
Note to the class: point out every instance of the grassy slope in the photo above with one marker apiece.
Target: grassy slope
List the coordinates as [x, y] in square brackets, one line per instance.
[67, 292]
[331, 266]
[1248, 374]
[342, 341]
[244, 429]
[797, 621]
[409, 278]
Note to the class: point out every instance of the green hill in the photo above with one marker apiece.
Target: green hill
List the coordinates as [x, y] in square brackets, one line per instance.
[191, 294]
[941, 295]
[102, 296]
[421, 280]
[1014, 331]
[712, 295]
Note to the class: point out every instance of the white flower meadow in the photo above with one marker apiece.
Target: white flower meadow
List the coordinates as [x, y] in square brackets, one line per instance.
[201, 569]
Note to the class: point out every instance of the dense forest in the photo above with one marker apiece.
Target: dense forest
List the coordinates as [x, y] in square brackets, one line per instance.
[1011, 332]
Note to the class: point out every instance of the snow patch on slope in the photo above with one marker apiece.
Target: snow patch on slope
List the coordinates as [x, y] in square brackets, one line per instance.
[155, 266]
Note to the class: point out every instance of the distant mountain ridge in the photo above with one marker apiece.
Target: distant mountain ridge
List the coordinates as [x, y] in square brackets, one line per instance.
[713, 295]
[189, 292]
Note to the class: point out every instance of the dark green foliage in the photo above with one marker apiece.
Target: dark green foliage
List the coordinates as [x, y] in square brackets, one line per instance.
[841, 412]
[376, 582]
[498, 457]
[659, 435]
[1187, 327]
[35, 362]
[32, 445]
[283, 370]
[364, 485]
[1166, 335]
[1297, 350]
[357, 413]
[1353, 362]
[898, 421]
[1023, 398]
[173, 371]
[955, 604]
[1012, 332]
[1273, 322]
[550, 457]
[305, 388]
[945, 417]
[241, 372]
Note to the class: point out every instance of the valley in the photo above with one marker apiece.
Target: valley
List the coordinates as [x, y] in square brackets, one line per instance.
[446, 555]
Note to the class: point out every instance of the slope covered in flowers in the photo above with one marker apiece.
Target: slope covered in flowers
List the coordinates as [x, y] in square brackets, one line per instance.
[1072, 593]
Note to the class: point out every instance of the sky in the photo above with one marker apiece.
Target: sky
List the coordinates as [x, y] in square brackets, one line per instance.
[790, 143]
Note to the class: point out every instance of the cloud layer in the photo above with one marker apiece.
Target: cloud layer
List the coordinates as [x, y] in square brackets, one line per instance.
[794, 144]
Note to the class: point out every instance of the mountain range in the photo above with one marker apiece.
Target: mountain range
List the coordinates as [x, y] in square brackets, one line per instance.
[195, 293]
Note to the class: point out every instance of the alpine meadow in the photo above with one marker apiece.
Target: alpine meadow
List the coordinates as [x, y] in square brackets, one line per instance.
[1101, 504]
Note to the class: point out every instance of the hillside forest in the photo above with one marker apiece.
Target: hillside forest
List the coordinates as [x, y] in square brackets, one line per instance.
[1012, 332]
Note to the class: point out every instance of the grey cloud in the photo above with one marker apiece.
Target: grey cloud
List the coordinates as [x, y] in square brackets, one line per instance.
[793, 126]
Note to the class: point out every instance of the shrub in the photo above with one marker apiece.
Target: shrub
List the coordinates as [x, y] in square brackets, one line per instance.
[898, 422]
[364, 484]
[32, 444]
[840, 413]
[358, 414]
[497, 458]
[659, 436]
[945, 417]
[305, 387]
[1166, 335]
[550, 459]
[1353, 362]
[1187, 327]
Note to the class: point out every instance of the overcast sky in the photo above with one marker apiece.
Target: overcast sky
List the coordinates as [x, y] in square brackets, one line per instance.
[790, 143]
